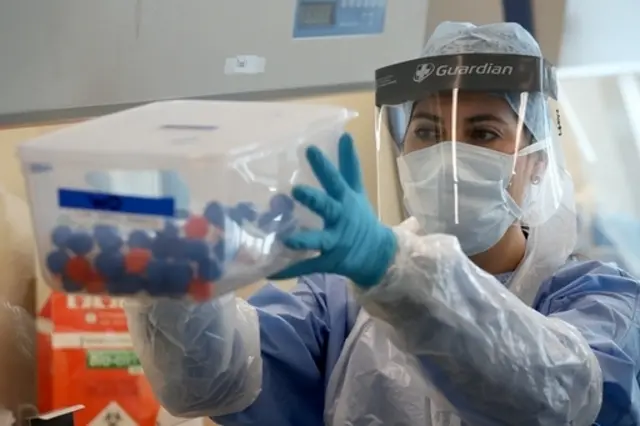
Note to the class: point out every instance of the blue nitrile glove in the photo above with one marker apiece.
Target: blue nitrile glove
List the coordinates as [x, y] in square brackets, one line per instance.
[353, 243]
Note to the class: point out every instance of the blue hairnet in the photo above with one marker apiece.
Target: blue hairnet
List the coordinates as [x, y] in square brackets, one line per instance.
[459, 38]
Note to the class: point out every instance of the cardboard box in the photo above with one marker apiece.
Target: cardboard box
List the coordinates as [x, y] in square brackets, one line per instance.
[85, 356]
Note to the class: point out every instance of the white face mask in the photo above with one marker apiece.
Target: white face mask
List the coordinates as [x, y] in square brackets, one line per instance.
[476, 207]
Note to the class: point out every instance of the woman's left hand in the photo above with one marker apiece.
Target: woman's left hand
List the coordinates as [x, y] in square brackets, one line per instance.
[353, 242]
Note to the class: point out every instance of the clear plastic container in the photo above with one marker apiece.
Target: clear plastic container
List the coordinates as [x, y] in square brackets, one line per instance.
[184, 199]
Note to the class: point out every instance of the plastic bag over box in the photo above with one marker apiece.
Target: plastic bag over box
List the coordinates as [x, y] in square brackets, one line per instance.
[17, 324]
[178, 198]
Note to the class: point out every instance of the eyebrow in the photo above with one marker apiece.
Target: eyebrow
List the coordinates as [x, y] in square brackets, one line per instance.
[480, 118]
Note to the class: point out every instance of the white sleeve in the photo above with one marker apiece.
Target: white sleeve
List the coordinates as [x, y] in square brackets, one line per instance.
[200, 359]
[491, 356]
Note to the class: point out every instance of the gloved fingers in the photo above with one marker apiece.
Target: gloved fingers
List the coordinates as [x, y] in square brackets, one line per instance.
[349, 163]
[318, 202]
[305, 267]
[326, 173]
[309, 240]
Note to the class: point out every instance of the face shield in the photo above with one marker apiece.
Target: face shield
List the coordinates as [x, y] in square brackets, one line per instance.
[472, 140]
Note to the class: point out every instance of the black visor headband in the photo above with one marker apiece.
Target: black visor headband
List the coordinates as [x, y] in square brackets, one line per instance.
[415, 79]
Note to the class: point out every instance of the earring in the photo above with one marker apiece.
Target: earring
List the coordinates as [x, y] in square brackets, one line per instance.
[535, 180]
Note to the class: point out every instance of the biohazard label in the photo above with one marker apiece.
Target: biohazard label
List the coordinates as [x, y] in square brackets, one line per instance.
[113, 415]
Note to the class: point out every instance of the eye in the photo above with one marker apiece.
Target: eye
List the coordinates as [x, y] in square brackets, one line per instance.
[427, 134]
[484, 135]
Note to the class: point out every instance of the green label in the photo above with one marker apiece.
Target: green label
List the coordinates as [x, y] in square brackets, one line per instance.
[112, 359]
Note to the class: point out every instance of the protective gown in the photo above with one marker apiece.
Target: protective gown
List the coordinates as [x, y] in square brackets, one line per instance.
[436, 329]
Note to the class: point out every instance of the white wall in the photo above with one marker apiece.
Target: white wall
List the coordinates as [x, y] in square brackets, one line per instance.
[478, 12]
[599, 32]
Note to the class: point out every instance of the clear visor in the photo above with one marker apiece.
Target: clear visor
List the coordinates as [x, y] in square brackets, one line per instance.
[466, 145]
[470, 163]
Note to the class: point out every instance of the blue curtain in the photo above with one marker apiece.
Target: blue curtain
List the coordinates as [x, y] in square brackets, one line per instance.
[520, 11]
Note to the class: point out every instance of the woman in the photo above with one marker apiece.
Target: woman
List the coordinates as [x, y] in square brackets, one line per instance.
[471, 312]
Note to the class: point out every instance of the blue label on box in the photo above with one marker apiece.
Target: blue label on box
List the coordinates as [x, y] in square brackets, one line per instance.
[105, 202]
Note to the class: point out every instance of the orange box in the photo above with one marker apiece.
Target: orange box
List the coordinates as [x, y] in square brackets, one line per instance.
[85, 356]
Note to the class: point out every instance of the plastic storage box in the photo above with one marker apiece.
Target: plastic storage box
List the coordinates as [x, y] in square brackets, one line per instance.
[175, 199]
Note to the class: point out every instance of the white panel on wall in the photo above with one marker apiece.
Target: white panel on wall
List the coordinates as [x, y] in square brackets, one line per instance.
[597, 32]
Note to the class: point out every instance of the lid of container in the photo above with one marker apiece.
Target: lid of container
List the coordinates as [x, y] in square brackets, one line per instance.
[187, 129]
